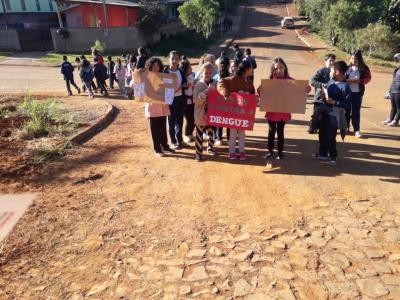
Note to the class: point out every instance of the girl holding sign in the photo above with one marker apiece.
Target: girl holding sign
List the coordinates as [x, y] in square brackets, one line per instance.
[200, 91]
[278, 120]
[157, 114]
[239, 83]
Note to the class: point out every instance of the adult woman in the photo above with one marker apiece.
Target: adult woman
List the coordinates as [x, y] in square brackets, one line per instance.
[238, 83]
[358, 75]
[157, 114]
[200, 91]
[394, 116]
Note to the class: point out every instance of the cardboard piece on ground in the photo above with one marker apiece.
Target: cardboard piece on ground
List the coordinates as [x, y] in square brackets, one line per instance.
[287, 96]
[12, 208]
[154, 87]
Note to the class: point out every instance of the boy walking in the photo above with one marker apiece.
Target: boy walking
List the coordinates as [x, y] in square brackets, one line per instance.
[330, 115]
[100, 73]
[68, 71]
[110, 71]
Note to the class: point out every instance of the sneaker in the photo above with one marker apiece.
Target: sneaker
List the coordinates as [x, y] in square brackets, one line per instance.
[168, 150]
[280, 156]
[394, 123]
[211, 152]
[358, 134]
[232, 156]
[176, 147]
[183, 145]
[386, 122]
[218, 143]
[159, 154]
[197, 158]
[79, 90]
[311, 131]
[319, 156]
[91, 96]
[69, 94]
[242, 156]
[332, 162]
[186, 139]
[269, 155]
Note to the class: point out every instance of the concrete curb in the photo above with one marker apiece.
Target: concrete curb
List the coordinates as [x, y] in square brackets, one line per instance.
[87, 133]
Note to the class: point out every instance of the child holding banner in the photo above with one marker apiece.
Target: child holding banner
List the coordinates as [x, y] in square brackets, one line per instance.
[201, 89]
[157, 114]
[238, 83]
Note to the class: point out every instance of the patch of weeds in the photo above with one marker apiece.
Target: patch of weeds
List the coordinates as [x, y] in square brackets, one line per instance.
[4, 113]
[45, 150]
[44, 118]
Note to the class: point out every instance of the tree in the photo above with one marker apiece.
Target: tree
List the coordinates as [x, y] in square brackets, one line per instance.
[376, 38]
[200, 15]
[151, 16]
[393, 15]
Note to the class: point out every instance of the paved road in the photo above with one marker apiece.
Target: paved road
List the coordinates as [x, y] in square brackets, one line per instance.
[158, 228]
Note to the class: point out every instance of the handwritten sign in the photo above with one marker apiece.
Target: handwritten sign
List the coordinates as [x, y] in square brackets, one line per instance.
[287, 96]
[12, 208]
[154, 87]
[238, 112]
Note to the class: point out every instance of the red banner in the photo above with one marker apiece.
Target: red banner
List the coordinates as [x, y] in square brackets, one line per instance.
[238, 112]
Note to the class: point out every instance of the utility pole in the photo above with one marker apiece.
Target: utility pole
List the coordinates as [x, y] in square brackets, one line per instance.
[105, 18]
[58, 14]
[5, 13]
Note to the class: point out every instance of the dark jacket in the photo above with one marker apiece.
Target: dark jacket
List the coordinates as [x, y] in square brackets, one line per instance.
[395, 87]
[340, 92]
[110, 67]
[238, 56]
[86, 73]
[100, 71]
[166, 70]
[141, 62]
[318, 81]
[252, 61]
[67, 70]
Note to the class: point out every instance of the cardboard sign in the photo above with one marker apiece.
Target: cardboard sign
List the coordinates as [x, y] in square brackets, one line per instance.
[12, 208]
[238, 113]
[154, 87]
[287, 96]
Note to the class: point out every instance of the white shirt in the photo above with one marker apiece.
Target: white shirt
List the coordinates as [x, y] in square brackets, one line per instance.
[190, 79]
[179, 76]
[354, 73]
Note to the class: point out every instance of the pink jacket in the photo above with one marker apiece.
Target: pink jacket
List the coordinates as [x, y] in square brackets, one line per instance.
[278, 116]
[154, 110]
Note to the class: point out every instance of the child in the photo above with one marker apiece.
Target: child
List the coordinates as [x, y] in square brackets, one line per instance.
[142, 57]
[110, 71]
[68, 71]
[175, 120]
[189, 106]
[120, 72]
[331, 113]
[130, 68]
[86, 74]
[278, 120]
[100, 73]
[157, 114]
[238, 83]
[201, 89]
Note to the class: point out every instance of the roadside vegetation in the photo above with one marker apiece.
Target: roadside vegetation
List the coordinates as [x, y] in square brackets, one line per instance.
[3, 55]
[370, 25]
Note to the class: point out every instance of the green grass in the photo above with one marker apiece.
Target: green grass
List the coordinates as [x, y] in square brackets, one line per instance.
[57, 58]
[3, 55]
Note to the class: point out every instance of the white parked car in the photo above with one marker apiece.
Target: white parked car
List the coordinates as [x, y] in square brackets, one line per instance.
[287, 22]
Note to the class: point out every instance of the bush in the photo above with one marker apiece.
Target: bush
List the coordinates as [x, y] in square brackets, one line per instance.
[151, 16]
[99, 46]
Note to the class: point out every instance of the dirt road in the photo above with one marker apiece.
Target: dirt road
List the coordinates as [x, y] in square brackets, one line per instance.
[169, 228]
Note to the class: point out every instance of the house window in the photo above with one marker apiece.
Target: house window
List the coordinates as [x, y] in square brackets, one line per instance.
[23, 5]
[51, 5]
[8, 6]
[38, 5]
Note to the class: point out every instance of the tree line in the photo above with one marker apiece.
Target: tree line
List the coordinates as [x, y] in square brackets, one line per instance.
[370, 25]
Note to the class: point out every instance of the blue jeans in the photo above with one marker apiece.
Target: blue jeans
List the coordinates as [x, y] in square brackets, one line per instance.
[175, 120]
[353, 111]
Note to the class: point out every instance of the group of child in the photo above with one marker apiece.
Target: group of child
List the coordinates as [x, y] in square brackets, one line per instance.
[338, 95]
[120, 71]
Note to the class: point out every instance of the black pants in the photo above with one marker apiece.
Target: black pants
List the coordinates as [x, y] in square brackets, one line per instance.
[315, 107]
[188, 113]
[70, 81]
[101, 85]
[158, 128]
[327, 137]
[395, 111]
[273, 128]
[175, 120]
[111, 80]
[92, 84]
